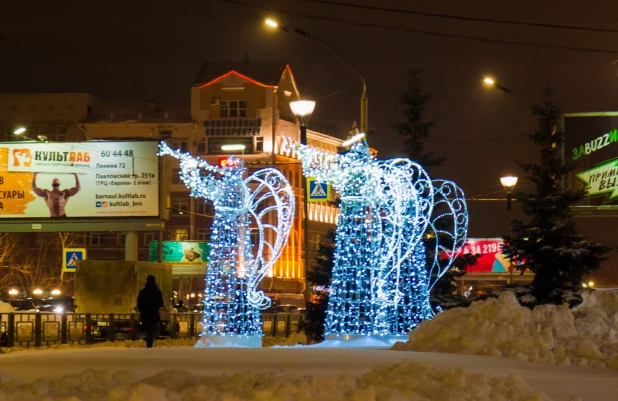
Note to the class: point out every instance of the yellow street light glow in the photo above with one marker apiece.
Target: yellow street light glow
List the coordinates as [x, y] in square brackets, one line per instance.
[508, 182]
[13, 292]
[19, 130]
[355, 138]
[56, 292]
[302, 108]
[271, 23]
[38, 291]
[233, 147]
[489, 81]
[591, 284]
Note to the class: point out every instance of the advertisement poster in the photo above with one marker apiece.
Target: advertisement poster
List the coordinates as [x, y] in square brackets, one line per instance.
[491, 260]
[180, 253]
[80, 179]
[188, 259]
[591, 145]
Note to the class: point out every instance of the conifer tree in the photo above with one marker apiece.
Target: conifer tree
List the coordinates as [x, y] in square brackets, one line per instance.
[321, 275]
[549, 244]
[414, 129]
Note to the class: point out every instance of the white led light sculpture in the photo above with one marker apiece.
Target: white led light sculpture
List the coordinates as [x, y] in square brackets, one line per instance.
[264, 202]
[406, 205]
[381, 276]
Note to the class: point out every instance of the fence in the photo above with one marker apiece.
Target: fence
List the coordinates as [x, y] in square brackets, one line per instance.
[45, 329]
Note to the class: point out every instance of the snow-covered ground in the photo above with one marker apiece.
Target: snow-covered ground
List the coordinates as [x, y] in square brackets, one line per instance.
[584, 336]
[185, 373]
[585, 340]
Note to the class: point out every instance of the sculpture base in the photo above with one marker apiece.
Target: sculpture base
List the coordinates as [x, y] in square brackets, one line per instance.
[360, 341]
[219, 341]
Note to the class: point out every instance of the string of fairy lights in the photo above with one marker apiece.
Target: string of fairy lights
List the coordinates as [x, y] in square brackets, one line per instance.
[236, 266]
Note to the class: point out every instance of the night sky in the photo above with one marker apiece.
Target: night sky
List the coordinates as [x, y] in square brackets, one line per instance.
[137, 50]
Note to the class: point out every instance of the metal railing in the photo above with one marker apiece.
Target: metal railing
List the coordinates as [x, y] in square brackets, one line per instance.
[38, 329]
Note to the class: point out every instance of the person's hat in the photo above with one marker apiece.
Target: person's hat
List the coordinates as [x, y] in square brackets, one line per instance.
[151, 279]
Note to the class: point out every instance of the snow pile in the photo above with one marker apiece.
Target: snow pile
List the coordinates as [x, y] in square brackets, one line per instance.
[584, 336]
[293, 339]
[404, 381]
[6, 307]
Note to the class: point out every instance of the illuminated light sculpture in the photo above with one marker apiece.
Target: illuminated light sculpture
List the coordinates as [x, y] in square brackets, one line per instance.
[358, 236]
[406, 204]
[264, 201]
[381, 278]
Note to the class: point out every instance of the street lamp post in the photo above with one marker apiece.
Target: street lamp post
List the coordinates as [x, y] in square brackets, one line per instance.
[364, 100]
[302, 109]
[19, 131]
[491, 82]
[508, 183]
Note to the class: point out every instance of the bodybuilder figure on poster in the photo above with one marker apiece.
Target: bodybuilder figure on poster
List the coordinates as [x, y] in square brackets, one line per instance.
[56, 199]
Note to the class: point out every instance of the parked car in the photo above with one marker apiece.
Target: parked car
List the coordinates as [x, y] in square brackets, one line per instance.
[24, 304]
[57, 304]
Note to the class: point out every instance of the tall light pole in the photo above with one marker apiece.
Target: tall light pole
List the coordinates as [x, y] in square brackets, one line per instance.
[364, 101]
[508, 183]
[489, 81]
[302, 109]
[19, 131]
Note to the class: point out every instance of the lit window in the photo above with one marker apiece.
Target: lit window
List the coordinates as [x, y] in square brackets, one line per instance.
[181, 234]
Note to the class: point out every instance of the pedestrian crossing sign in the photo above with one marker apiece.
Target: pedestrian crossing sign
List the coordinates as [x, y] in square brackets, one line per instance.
[70, 258]
[318, 191]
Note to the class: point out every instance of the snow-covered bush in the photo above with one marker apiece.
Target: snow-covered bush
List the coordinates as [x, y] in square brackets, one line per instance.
[584, 336]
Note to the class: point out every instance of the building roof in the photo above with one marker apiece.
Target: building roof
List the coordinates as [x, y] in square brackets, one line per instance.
[264, 73]
[138, 112]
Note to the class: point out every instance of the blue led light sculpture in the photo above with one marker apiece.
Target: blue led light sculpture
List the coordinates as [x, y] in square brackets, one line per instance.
[381, 277]
[263, 202]
[358, 235]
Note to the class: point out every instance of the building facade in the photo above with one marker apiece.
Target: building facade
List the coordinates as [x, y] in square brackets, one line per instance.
[241, 103]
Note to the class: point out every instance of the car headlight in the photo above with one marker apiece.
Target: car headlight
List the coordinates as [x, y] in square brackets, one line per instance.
[58, 309]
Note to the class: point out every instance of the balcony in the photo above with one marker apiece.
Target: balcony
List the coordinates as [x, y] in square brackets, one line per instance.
[241, 126]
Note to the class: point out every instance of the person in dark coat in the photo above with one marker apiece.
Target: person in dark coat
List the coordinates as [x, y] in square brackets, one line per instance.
[149, 301]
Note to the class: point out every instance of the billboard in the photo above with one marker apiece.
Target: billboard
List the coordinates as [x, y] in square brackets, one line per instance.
[591, 145]
[492, 260]
[180, 253]
[187, 258]
[77, 180]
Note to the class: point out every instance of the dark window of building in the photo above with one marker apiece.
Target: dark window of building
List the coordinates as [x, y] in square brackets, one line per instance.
[176, 176]
[233, 108]
[259, 144]
[98, 239]
[61, 133]
[148, 238]
[179, 206]
[203, 234]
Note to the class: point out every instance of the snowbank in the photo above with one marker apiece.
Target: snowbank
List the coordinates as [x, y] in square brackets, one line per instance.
[584, 336]
[404, 381]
